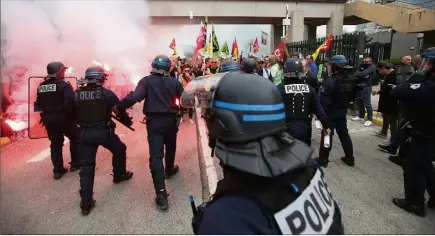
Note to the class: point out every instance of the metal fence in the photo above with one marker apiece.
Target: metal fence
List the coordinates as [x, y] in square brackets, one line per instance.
[353, 46]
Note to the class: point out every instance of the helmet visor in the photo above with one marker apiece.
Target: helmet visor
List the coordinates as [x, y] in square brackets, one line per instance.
[199, 92]
[425, 65]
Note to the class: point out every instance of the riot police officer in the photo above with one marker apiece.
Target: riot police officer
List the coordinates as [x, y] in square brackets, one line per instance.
[248, 65]
[335, 97]
[55, 99]
[161, 92]
[300, 101]
[93, 105]
[419, 108]
[270, 183]
[229, 65]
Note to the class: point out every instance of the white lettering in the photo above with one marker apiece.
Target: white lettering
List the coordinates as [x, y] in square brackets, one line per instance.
[297, 88]
[87, 95]
[47, 88]
[311, 213]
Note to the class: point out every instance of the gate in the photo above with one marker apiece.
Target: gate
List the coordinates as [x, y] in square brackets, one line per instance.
[350, 45]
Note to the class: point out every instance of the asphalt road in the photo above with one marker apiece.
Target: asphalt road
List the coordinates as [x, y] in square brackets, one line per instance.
[364, 192]
[32, 202]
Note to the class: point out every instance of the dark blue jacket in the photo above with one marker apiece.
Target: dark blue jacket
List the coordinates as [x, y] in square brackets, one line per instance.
[68, 108]
[329, 99]
[159, 93]
[367, 74]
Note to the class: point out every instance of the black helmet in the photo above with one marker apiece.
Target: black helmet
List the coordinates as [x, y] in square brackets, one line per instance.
[337, 64]
[230, 65]
[249, 127]
[94, 75]
[56, 70]
[293, 68]
[427, 60]
[248, 65]
[161, 65]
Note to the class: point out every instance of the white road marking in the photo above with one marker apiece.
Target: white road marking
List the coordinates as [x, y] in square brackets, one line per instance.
[210, 168]
[361, 130]
[44, 154]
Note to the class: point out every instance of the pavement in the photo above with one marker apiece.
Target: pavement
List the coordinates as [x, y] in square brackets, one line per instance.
[365, 192]
[32, 202]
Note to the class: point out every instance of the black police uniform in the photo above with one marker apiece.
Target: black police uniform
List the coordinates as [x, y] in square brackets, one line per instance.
[335, 97]
[55, 100]
[93, 105]
[160, 92]
[270, 185]
[300, 101]
[418, 170]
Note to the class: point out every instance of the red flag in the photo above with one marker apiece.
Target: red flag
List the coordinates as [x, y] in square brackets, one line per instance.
[327, 44]
[264, 38]
[200, 40]
[235, 49]
[173, 44]
[255, 46]
[279, 51]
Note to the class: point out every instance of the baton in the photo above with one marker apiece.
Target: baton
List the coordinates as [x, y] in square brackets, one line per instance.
[116, 118]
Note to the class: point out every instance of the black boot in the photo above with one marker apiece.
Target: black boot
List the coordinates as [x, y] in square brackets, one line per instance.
[74, 166]
[417, 210]
[162, 200]
[321, 162]
[117, 178]
[87, 207]
[431, 203]
[350, 161]
[58, 173]
[388, 149]
[169, 174]
[396, 160]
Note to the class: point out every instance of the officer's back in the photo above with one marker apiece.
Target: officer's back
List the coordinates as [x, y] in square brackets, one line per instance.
[94, 104]
[55, 98]
[262, 192]
[337, 90]
[160, 93]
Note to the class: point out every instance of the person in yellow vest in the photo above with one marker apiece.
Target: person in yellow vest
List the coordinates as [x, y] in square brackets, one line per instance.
[185, 78]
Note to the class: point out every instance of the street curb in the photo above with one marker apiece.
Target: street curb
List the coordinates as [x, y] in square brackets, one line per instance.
[5, 140]
[204, 153]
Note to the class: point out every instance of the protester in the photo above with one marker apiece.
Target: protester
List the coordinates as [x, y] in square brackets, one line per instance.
[366, 74]
[275, 70]
[311, 64]
[387, 105]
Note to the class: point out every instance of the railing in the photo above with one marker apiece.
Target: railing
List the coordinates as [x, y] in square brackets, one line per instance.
[347, 45]
[405, 6]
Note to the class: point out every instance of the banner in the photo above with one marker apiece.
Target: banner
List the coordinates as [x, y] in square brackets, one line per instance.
[255, 46]
[326, 45]
[173, 46]
[235, 49]
[264, 37]
[215, 50]
[225, 50]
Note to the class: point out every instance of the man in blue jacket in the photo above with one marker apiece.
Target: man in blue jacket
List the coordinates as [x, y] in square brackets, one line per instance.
[366, 74]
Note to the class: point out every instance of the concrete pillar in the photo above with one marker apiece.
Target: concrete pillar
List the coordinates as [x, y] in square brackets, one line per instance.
[297, 27]
[310, 32]
[335, 24]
